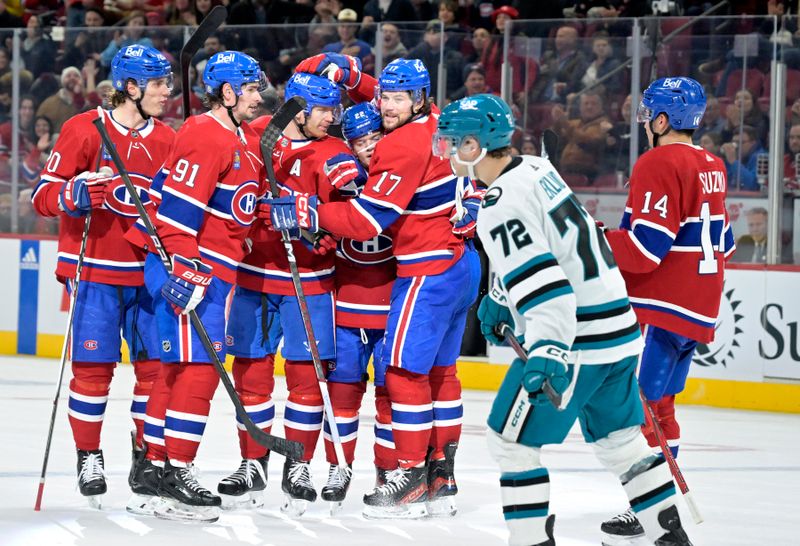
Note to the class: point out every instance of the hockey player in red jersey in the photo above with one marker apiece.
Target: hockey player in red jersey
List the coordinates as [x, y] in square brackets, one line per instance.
[76, 181]
[265, 303]
[412, 194]
[208, 189]
[671, 247]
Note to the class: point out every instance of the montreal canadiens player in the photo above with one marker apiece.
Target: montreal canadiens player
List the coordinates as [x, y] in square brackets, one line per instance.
[207, 206]
[672, 245]
[567, 298]
[410, 195]
[76, 180]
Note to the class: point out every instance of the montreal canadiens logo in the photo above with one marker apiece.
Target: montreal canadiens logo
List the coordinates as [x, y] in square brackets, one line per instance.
[243, 203]
[90, 345]
[119, 200]
[376, 250]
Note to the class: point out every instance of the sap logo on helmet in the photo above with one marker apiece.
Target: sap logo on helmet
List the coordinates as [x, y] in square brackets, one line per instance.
[134, 51]
[671, 83]
[468, 104]
[302, 79]
[226, 58]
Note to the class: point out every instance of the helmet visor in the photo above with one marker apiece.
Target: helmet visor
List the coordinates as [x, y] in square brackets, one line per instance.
[643, 113]
[444, 146]
[262, 81]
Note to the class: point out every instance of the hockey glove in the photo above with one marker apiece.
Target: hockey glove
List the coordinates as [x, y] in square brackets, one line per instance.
[342, 69]
[293, 212]
[85, 192]
[187, 284]
[546, 362]
[346, 174]
[465, 224]
[491, 314]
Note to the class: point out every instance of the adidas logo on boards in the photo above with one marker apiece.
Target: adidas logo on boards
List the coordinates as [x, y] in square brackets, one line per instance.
[29, 260]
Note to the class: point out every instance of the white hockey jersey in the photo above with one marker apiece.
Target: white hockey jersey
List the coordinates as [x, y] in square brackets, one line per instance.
[555, 265]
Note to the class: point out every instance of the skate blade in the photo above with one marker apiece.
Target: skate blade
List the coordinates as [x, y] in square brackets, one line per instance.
[95, 501]
[617, 540]
[177, 511]
[294, 508]
[443, 507]
[335, 507]
[414, 510]
[249, 501]
[143, 505]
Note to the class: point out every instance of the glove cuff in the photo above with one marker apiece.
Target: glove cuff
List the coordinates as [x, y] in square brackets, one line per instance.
[553, 352]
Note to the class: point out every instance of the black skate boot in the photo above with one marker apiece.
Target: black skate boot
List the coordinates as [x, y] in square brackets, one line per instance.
[245, 487]
[621, 529]
[144, 485]
[92, 476]
[184, 498]
[403, 495]
[671, 522]
[336, 489]
[298, 487]
[548, 528]
[442, 487]
[137, 456]
[380, 476]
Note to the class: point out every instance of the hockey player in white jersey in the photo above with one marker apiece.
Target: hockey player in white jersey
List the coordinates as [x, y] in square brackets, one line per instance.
[567, 298]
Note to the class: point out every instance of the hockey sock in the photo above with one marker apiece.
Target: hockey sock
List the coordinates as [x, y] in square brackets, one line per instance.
[346, 402]
[303, 415]
[447, 409]
[88, 396]
[146, 372]
[412, 415]
[665, 413]
[156, 411]
[650, 490]
[385, 456]
[188, 408]
[254, 379]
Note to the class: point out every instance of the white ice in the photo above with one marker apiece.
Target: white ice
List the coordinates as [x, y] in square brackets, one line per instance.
[743, 468]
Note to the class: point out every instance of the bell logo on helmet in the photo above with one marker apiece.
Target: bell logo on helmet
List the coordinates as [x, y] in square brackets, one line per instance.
[134, 51]
[419, 66]
[226, 58]
[302, 79]
[671, 83]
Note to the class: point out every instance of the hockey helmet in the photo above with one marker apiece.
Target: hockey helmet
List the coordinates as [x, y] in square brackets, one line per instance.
[485, 117]
[681, 99]
[235, 68]
[140, 64]
[317, 91]
[405, 75]
[360, 120]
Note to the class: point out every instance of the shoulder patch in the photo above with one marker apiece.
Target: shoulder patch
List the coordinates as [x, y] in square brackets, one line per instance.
[491, 197]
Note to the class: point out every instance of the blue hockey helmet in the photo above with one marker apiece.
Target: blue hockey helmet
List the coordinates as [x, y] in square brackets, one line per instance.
[235, 68]
[487, 118]
[140, 64]
[681, 99]
[405, 75]
[317, 91]
[360, 120]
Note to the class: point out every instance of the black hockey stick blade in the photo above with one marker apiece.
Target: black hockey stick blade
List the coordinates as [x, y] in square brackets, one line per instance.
[207, 27]
[505, 331]
[279, 445]
[550, 146]
[272, 133]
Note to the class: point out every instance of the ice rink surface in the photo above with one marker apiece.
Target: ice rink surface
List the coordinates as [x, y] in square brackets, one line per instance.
[743, 468]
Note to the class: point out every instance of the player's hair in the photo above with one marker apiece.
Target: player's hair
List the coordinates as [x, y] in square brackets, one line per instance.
[116, 98]
[499, 152]
[210, 100]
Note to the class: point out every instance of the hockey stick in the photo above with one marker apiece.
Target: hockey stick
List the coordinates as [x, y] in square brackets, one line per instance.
[550, 146]
[671, 462]
[208, 26]
[271, 135]
[274, 443]
[504, 330]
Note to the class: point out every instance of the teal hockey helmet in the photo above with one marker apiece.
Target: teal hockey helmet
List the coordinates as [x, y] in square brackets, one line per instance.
[487, 118]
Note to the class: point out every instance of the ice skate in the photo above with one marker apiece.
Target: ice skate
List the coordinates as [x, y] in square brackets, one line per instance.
[622, 530]
[548, 528]
[671, 522]
[92, 477]
[380, 476]
[144, 485]
[184, 499]
[442, 488]
[403, 495]
[298, 487]
[336, 489]
[245, 487]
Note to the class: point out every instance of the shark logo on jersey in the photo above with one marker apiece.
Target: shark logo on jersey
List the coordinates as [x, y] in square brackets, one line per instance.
[374, 251]
[491, 197]
[726, 335]
[119, 200]
[243, 203]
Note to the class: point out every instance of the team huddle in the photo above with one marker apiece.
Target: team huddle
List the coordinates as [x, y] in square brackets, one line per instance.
[368, 242]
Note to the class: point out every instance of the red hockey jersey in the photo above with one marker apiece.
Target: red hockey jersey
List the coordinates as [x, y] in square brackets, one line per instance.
[208, 190]
[365, 273]
[409, 195]
[108, 258]
[298, 168]
[674, 239]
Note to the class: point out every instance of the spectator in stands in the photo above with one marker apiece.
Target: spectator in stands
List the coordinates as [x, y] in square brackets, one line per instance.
[525, 69]
[180, 13]
[67, 101]
[474, 82]
[399, 11]
[8, 19]
[752, 248]
[429, 51]
[38, 50]
[449, 15]
[202, 7]
[528, 146]
[584, 138]
[348, 44]
[742, 173]
[603, 63]
[561, 68]
[133, 33]
[324, 23]
[86, 43]
[5, 60]
[480, 41]
[711, 141]
[618, 142]
[213, 44]
[393, 48]
[713, 121]
[745, 111]
[790, 171]
[38, 151]
[424, 9]
[27, 109]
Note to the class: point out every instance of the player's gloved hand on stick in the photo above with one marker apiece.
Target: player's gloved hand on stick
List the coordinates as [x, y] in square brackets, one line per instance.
[545, 362]
[464, 226]
[187, 284]
[342, 69]
[491, 314]
[346, 174]
[85, 192]
[324, 243]
[293, 212]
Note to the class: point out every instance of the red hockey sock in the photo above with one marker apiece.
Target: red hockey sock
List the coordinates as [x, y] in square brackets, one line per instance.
[254, 379]
[188, 408]
[665, 413]
[303, 415]
[412, 415]
[146, 372]
[385, 457]
[88, 396]
[156, 411]
[346, 402]
[447, 409]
